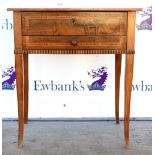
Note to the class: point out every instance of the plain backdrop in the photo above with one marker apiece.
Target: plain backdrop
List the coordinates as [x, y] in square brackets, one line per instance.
[64, 69]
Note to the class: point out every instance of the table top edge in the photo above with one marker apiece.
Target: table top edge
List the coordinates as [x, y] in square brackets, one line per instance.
[74, 9]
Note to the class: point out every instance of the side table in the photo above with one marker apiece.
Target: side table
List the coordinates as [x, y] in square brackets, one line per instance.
[74, 31]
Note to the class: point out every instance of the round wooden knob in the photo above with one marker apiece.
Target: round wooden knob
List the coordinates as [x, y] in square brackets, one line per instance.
[74, 42]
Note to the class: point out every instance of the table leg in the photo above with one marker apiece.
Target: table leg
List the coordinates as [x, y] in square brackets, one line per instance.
[19, 83]
[118, 59]
[128, 89]
[25, 58]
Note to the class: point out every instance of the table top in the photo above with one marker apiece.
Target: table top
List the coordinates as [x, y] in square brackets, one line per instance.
[74, 9]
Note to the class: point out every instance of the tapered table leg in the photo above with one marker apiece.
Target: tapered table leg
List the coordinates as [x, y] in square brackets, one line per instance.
[118, 58]
[128, 89]
[25, 58]
[19, 83]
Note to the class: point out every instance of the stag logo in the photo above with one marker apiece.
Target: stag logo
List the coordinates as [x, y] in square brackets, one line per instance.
[8, 76]
[145, 19]
[102, 75]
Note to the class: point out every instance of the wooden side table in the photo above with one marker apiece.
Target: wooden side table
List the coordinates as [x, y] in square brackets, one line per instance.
[74, 31]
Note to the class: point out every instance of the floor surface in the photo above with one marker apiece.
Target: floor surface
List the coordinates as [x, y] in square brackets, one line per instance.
[77, 138]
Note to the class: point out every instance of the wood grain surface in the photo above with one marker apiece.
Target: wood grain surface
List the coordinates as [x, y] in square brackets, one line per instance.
[74, 23]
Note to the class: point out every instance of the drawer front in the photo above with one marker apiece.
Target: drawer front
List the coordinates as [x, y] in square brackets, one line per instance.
[74, 42]
[74, 23]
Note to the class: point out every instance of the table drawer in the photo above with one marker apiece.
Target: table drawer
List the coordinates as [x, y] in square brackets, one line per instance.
[74, 42]
[74, 23]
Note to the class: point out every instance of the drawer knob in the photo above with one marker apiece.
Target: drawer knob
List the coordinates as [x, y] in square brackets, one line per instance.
[74, 42]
